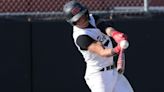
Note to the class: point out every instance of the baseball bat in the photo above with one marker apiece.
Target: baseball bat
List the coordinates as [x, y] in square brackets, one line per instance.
[121, 61]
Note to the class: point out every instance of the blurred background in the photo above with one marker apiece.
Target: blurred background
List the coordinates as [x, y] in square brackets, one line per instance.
[37, 53]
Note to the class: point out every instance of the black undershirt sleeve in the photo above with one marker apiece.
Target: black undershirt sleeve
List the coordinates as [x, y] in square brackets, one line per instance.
[102, 24]
[83, 41]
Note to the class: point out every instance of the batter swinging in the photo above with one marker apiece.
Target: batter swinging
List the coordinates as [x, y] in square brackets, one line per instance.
[97, 49]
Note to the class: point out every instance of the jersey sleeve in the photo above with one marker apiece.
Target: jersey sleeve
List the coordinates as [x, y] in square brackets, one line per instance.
[83, 41]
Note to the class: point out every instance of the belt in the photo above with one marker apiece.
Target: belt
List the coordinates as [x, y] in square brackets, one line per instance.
[108, 68]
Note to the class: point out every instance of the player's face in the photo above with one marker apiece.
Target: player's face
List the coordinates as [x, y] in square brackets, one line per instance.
[82, 22]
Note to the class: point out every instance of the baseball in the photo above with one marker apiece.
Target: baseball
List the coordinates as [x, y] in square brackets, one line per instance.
[124, 44]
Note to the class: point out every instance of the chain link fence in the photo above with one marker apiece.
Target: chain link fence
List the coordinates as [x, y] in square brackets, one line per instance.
[52, 9]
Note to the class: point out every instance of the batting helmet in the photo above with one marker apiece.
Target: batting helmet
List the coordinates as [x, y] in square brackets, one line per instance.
[73, 11]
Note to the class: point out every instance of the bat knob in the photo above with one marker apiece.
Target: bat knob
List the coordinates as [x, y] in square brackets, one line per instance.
[120, 71]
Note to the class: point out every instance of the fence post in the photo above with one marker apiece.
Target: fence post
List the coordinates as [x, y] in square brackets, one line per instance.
[146, 5]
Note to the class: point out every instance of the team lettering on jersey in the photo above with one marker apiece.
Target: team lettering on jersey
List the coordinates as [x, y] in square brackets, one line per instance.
[103, 40]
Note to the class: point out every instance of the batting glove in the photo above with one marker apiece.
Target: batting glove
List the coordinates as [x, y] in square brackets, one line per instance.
[118, 36]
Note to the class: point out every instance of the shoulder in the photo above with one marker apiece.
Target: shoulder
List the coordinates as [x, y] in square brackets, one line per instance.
[78, 31]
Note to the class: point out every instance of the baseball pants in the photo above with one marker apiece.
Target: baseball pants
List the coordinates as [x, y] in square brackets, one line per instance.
[108, 81]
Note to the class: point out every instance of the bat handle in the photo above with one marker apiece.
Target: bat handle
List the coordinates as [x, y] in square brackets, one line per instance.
[121, 62]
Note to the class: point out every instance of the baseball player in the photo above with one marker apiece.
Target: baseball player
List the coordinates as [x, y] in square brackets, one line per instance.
[97, 49]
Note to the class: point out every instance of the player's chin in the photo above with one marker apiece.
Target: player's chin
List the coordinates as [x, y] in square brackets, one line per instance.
[83, 24]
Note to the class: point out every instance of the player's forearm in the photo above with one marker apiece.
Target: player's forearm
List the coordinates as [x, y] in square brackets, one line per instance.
[98, 48]
[107, 52]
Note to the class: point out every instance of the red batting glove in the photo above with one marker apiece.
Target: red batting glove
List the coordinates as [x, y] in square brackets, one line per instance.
[118, 36]
[117, 49]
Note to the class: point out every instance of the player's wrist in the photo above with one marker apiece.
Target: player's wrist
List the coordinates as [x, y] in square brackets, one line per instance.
[116, 50]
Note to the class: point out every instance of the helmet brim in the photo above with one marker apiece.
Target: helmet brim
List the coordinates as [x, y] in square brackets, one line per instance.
[77, 17]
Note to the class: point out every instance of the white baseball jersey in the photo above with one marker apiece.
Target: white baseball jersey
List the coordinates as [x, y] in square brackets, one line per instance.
[106, 81]
[94, 61]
